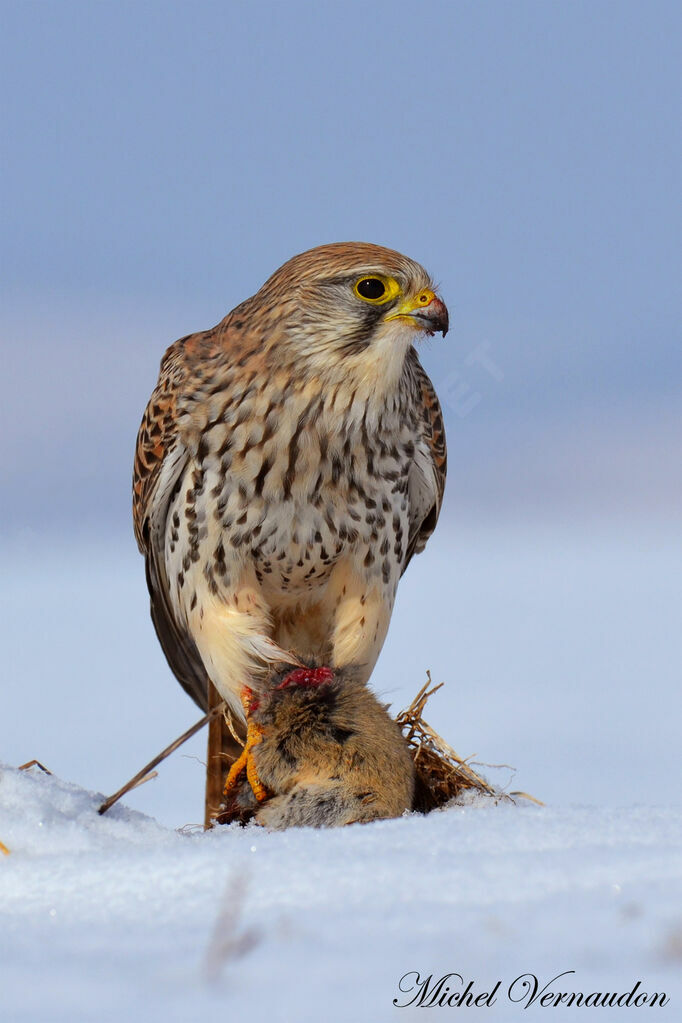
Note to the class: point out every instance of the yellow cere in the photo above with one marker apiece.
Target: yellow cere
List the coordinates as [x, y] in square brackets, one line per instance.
[409, 306]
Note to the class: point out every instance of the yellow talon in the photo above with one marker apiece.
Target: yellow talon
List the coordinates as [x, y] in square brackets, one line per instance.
[245, 761]
[5, 850]
[259, 789]
[234, 772]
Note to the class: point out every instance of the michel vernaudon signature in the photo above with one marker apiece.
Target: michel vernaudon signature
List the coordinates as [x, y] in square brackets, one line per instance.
[452, 990]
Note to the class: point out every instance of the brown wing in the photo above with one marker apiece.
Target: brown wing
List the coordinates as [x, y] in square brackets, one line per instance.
[160, 461]
[426, 481]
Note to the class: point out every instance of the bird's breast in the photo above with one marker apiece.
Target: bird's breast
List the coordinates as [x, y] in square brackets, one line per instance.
[295, 499]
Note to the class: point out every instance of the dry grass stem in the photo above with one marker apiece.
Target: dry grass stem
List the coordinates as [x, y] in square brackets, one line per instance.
[442, 775]
[148, 768]
[229, 721]
[34, 763]
[147, 777]
[525, 795]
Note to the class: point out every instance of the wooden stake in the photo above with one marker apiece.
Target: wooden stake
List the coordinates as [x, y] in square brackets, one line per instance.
[222, 750]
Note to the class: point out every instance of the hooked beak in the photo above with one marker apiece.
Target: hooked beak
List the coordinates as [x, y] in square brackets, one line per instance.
[425, 311]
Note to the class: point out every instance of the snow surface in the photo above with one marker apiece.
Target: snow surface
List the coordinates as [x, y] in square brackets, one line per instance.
[116, 917]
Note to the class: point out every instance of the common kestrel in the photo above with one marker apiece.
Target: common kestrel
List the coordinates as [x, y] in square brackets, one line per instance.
[290, 463]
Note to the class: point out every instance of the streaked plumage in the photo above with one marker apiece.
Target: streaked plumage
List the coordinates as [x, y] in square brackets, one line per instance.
[290, 463]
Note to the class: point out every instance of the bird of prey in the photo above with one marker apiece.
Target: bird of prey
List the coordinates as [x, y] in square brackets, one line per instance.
[289, 464]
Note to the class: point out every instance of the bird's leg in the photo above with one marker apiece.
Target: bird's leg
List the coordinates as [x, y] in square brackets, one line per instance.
[245, 761]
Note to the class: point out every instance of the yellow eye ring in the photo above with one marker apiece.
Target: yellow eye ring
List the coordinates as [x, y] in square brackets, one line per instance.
[376, 289]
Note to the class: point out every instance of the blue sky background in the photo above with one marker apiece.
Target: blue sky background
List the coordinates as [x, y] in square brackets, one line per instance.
[161, 159]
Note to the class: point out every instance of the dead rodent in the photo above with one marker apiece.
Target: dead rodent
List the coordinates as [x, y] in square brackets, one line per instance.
[328, 754]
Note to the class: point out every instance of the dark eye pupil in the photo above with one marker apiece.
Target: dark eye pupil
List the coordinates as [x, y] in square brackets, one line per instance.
[371, 287]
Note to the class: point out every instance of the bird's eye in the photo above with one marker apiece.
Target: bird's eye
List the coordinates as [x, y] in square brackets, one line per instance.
[371, 288]
[377, 289]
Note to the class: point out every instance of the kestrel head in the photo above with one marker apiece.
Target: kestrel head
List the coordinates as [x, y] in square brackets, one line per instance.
[350, 308]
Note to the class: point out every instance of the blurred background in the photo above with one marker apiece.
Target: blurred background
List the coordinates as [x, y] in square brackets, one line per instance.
[162, 159]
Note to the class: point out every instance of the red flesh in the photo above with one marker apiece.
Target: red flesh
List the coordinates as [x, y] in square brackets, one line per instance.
[306, 677]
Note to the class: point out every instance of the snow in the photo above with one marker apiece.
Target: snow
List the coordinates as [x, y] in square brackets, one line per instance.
[559, 646]
[118, 917]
